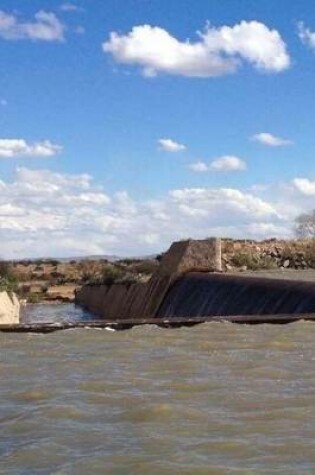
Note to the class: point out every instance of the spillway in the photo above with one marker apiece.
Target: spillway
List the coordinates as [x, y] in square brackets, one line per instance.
[189, 284]
[199, 294]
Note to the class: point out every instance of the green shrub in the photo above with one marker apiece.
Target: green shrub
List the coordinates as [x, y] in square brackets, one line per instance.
[245, 258]
[147, 267]
[253, 261]
[8, 280]
[112, 274]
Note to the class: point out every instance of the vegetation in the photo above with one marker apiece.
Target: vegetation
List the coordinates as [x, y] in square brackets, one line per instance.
[252, 261]
[310, 253]
[305, 225]
[8, 280]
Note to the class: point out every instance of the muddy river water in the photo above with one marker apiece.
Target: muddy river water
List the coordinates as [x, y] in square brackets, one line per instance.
[217, 399]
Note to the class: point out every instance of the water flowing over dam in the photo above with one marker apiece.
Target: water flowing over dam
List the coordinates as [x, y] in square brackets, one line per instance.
[198, 294]
[178, 290]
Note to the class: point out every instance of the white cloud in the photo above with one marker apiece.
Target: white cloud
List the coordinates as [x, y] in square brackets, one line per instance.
[169, 145]
[306, 35]
[227, 163]
[10, 148]
[70, 7]
[201, 201]
[218, 51]
[45, 27]
[48, 213]
[266, 138]
[199, 167]
[222, 164]
[305, 186]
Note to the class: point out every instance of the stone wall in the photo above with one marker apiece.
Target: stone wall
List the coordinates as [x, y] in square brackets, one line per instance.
[9, 309]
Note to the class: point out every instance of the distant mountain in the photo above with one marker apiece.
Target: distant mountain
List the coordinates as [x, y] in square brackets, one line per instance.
[96, 257]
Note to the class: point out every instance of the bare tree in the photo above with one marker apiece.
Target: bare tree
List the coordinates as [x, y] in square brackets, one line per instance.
[305, 225]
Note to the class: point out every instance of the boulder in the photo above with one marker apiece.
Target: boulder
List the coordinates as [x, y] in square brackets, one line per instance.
[9, 309]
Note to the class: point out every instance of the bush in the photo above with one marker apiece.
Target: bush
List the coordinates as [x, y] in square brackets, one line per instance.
[145, 267]
[244, 258]
[111, 275]
[253, 261]
[310, 253]
[8, 280]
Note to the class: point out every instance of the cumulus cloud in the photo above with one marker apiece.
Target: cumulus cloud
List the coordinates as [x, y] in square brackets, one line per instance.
[169, 145]
[270, 140]
[202, 202]
[227, 163]
[199, 167]
[306, 35]
[48, 213]
[217, 51]
[45, 27]
[10, 148]
[305, 186]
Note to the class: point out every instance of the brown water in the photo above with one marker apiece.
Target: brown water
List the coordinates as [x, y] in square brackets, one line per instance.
[215, 399]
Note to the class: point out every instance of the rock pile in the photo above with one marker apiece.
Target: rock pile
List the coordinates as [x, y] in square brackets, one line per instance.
[252, 255]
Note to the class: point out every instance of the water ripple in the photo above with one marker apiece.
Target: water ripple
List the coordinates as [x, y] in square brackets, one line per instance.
[212, 399]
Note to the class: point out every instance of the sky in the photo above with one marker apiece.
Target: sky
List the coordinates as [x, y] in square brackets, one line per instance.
[128, 124]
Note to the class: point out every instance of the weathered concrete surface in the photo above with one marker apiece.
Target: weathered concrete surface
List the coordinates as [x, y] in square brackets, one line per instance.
[123, 300]
[192, 256]
[9, 309]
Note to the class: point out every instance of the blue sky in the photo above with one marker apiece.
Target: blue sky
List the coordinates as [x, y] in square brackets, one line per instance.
[123, 128]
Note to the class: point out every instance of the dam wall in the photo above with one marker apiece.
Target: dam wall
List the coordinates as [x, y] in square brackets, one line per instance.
[124, 301]
[186, 285]
[134, 300]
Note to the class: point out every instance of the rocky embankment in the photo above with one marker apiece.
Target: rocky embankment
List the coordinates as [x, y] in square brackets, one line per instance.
[246, 255]
[9, 309]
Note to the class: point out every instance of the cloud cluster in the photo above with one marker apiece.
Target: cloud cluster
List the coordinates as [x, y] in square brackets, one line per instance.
[305, 186]
[306, 35]
[270, 140]
[45, 27]
[169, 145]
[227, 163]
[10, 148]
[218, 51]
[45, 213]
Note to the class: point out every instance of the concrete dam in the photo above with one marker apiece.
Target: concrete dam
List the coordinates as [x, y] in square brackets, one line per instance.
[189, 284]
